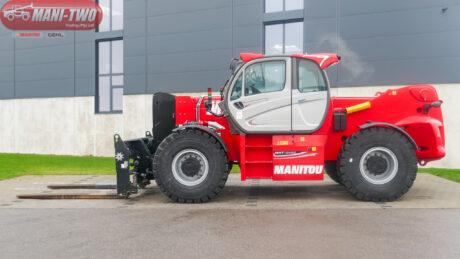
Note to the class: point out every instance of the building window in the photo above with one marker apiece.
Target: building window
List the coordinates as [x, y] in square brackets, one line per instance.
[272, 6]
[112, 18]
[109, 76]
[284, 38]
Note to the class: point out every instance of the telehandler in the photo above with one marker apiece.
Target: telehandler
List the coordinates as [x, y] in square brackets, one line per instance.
[276, 119]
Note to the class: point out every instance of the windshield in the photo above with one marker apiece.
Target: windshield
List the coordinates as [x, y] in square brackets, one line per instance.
[235, 66]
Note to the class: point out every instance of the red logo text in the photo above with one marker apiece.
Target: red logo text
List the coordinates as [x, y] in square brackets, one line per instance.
[51, 15]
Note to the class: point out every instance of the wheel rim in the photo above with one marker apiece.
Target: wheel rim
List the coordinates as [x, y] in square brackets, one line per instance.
[378, 165]
[190, 167]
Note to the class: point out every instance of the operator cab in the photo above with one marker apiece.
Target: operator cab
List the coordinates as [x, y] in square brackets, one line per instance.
[278, 94]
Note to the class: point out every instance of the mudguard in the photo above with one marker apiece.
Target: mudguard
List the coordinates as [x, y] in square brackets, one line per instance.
[370, 124]
[204, 129]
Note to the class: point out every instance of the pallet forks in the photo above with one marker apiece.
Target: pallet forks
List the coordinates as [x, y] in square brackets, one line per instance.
[133, 162]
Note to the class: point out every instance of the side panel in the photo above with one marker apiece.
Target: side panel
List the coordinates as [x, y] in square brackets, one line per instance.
[308, 109]
[266, 112]
[282, 157]
[401, 107]
[298, 157]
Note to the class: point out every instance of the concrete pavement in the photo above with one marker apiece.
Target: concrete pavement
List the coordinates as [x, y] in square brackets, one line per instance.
[255, 219]
[428, 192]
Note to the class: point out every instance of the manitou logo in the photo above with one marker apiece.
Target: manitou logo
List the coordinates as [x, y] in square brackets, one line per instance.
[298, 169]
[51, 15]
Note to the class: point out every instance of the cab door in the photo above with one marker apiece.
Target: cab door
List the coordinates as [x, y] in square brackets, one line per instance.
[260, 96]
[310, 96]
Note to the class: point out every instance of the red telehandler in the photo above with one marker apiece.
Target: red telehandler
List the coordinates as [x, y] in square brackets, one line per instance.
[275, 118]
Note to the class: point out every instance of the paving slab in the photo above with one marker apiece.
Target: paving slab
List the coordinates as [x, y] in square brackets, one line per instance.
[428, 192]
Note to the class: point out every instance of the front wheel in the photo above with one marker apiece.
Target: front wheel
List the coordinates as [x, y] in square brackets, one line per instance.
[190, 166]
[378, 164]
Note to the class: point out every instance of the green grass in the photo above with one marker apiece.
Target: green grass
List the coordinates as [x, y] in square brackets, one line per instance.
[450, 174]
[13, 165]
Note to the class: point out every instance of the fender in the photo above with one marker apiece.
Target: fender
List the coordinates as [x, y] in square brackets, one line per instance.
[370, 124]
[205, 129]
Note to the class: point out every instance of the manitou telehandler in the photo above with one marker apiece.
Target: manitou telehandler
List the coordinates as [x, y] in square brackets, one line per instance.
[275, 118]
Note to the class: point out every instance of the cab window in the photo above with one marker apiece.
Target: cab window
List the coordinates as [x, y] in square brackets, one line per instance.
[237, 88]
[264, 77]
[310, 78]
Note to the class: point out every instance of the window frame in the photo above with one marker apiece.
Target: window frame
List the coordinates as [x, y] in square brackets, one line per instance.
[234, 84]
[110, 75]
[283, 23]
[296, 74]
[263, 61]
[111, 17]
[284, 7]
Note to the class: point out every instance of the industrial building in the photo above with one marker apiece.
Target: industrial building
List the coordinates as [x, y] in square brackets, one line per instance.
[69, 92]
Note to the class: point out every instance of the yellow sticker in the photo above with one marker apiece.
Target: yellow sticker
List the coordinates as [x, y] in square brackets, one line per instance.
[394, 92]
[313, 148]
[302, 139]
[283, 143]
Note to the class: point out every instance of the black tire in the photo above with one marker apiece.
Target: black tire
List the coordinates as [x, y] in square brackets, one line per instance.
[356, 178]
[208, 146]
[331, 170]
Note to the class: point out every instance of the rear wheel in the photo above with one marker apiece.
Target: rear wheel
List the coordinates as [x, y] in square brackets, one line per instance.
[190, 166]
[378, 164]
[331, 170]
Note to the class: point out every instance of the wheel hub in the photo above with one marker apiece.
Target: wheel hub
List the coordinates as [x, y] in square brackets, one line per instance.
[190, 167]
[378, 165]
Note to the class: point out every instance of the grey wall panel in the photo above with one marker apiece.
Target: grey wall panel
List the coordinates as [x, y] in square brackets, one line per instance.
[413, 21]
[249, 13]
[135, 48]
[135, 77]
[6, 67]
[220, 38]
[134, 9]
[44, 67]
[6, 61]
[173, 7]
[186, 82]
[354, 7]
[412, 46]
[321, 31]
[135, 65]
[134, 28]
[189, 45]
[135, 84]
[44, 54]
[6, 82]
[45, 88]
[85, 63]
[208, 19]
[248, 36]
[400, 72]
[189, 61]
[379, 41]
[320, 9]
[247, 26]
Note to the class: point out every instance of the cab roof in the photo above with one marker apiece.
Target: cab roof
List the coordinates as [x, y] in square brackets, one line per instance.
[324, 60]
